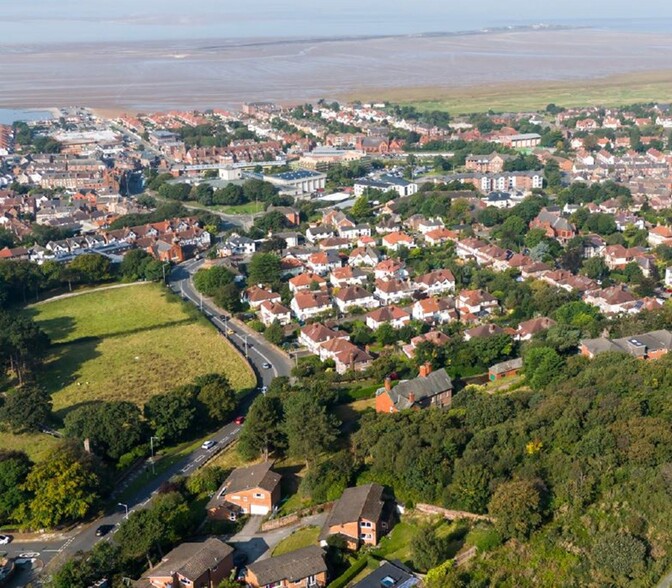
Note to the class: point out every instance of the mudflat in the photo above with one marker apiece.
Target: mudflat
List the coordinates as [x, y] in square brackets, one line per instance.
[163, 75]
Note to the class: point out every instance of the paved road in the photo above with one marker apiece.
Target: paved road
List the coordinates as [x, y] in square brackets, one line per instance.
[59, 547]
[259, 351]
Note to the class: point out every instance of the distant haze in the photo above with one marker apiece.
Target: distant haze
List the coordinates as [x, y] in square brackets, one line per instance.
[47, 21]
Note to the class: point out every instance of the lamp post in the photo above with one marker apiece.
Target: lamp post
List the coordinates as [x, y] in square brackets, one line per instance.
[125, 506]
[151, 445]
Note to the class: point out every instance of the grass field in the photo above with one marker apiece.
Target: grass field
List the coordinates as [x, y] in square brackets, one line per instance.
[619, 90]
[297, 540]
[35, 445]
[130, 344]
[248, 208]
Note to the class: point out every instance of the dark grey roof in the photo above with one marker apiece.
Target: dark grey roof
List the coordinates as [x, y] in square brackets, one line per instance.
[292, 566]
[191, 560]
[505, 366]
[423, 387]
[240, 479]
[355, 503]
[636, 345]
[389, 575]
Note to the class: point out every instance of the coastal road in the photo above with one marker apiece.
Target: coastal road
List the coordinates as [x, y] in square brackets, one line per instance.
[259, 351]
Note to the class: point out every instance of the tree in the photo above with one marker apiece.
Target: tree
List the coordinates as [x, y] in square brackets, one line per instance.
[228, 297]
[91, 268]
[428, 549]
[113, 428]
[552, 175]
[262, 431]
[208, 281]
[26, 408]
[14, 467]
[516, 507]
[361, 209]
[63, 487]
[274, 333]
[84, 569]
[303, 441]
[542, 366]
[386, 334]
[620, 555]
[171, 415]
[217, 396]
[470, 487]
[511, 232]
[23, 344]
[264, 268]
[133, 265]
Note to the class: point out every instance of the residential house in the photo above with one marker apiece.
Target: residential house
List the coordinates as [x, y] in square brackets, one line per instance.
[366, 256]
[309, 304]
[324, 262]
[315, 234]
[361, 516]
[660, 235]
[393, 290]
[651, 345]
[202, 565]
[392, 315]
[270, 312]
[505, 369]
[613, 300]
[354, 296]
[395, 241]
[307, 281]
[476, 302]
[528, 329]
[236, 245]
[434, 337]
[390, 269]
[253, 490]
[436, 282]
[554, 225]
[430, 388]
[348, 276]
[483, 332]
[256, 296]
[435, 310]
[346, 355]
[302, 568]
[389, 575]
[313, 336]
[440, 236]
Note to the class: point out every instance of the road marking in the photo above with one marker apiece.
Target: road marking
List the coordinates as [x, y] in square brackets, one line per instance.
[200, 458]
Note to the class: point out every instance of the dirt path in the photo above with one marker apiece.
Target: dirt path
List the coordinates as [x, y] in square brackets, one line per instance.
[82, 292]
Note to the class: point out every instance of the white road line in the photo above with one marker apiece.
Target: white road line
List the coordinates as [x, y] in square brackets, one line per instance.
[199, 458]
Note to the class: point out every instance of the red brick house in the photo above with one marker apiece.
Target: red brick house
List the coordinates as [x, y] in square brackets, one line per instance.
[428, 389]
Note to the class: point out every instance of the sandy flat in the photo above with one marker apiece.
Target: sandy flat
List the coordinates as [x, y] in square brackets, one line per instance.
[205, 74]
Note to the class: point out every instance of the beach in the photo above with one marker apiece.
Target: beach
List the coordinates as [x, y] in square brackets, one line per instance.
[162, 75]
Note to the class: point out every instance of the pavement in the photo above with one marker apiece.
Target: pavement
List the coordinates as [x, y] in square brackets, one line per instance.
[53, 549]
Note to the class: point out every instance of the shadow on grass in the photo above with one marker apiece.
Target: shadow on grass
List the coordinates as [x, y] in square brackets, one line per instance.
[58, 328]
[290, 479]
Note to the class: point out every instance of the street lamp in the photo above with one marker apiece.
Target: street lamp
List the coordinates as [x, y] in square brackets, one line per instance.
[151, 445]
[125, 506]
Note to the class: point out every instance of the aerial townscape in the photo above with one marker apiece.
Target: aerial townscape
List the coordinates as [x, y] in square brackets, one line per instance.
[343, 341]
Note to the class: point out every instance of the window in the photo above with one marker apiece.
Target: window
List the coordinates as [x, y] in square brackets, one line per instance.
[365, 524]
[365, 535]
[258, 495]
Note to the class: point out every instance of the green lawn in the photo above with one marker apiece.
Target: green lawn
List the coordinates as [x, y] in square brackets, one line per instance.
[130, 344]
[248, 208]
[35, 445]
[301, 538]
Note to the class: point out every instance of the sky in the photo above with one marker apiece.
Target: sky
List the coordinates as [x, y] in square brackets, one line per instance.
[40, 21]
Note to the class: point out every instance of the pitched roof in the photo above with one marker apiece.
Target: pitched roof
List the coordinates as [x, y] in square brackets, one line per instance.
[359, 502]
[251, 477]
[421, 387]
[505, 366]
[292, 566]
[191, 560]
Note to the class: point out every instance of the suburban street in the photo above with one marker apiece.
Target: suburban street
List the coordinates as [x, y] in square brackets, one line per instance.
[59, 547]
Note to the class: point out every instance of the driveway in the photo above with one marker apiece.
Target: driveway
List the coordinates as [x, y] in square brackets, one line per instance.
[257, 545]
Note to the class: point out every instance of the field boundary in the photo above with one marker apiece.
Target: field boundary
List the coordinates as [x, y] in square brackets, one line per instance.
[89, 291]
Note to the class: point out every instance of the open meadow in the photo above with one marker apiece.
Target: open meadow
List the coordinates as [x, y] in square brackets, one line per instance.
[130, 344]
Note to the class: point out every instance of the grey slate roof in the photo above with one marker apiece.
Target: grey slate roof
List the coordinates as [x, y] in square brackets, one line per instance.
[389, 575]
[191, 560]
[505, 366]
[637, 345]
[292, 566]
[431, 385]
[359, 502]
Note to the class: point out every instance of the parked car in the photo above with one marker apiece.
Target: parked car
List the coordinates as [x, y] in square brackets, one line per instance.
[239, 420]
[208, 444]
[103, 530]
[5, 539]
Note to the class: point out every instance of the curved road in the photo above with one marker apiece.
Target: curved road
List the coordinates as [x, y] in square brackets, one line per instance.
[58, 547]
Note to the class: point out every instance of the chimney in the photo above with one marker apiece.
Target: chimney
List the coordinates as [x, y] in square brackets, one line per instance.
[425, 370]
[388, 384]
[411, 398]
